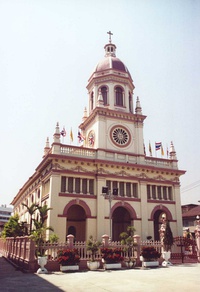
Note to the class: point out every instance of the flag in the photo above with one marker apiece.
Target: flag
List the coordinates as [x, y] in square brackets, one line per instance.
[63, 132]
[158, 145]
[167, 152]
[81, 138]
[162, 150]
[71, 135]
[150, 151]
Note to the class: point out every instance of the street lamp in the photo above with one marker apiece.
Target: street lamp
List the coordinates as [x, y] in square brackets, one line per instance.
[107, 194]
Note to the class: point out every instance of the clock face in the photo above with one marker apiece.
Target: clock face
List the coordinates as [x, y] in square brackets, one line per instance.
[120, 136]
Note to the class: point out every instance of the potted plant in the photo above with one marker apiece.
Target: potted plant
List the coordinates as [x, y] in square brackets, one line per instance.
[129, 243]
[53, 238]
[167, 241]
[149, 256]
[92, 246]
[68, 259]
[39, 236]
[53, 241]
[111, 257]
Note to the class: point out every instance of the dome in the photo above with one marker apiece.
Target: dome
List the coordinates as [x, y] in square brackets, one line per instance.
[110, 62]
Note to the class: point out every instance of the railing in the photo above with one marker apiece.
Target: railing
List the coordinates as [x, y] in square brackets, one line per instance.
[156, 244]
[77, 151]
[116, 156]
[22, 250]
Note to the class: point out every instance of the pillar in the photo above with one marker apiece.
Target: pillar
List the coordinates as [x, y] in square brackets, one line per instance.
[197, 237]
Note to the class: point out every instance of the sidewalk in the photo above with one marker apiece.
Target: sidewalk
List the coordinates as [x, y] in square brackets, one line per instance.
[175, 278]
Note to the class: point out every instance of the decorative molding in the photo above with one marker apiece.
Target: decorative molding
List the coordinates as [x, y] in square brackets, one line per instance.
[57, 166]
[175, 179]
[79, 169]
[159, 177]
[122, 173]
[102, 171]
[142, 175]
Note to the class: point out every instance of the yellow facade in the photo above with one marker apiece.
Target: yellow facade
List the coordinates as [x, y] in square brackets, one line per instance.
[70, 179]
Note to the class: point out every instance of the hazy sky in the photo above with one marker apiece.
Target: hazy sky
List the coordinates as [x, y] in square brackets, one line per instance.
[48, 50]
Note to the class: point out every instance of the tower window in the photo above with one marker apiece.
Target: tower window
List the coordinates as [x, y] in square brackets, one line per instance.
[77, 185]
[63, 184]
[70, 184]
[91, 186]
[119, 96]
[104, 95]
[92, 101]
[130, 103]
[84, 186]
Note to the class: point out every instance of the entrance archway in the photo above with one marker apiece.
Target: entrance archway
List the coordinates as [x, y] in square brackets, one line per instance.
[157, 224]
[156, 216]
[76, 222]
[121, 219]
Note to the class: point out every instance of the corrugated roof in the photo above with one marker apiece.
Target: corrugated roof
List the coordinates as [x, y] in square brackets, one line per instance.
[192, 212]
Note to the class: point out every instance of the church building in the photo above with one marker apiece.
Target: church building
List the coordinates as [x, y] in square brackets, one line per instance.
[109, 182]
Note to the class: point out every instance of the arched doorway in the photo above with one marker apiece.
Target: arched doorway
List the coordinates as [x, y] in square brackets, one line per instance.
[121, 219]
[76, 222]
[72, 230]
[157, 223]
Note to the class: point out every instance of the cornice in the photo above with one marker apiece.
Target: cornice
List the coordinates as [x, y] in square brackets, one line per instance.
[113, 114]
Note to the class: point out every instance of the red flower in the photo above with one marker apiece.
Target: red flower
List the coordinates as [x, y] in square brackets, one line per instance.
[68, 257]
[112, 255]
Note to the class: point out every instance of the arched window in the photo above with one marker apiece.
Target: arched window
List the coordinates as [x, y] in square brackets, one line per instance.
[38, 194]
[91, 101]
[130, 103]
[119, 96]
[104, 94]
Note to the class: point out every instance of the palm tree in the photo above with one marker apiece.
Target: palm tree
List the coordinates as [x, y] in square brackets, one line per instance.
[39, 233]
[31, 210]
[43, 213]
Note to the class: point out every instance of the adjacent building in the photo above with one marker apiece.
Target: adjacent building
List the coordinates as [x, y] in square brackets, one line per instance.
[5, 214]
[189, 214]
[109, 182]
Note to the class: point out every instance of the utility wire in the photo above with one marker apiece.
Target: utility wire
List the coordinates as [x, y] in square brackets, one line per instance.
[190, 186]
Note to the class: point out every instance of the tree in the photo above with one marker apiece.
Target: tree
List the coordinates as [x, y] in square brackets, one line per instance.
[92, 245]
[31, 210]
[43, 213]
[128, 240]
[168, 239]
[13, 228]
[40, 228]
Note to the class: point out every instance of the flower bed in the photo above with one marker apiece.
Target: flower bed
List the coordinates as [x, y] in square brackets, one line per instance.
[68, 257]
[112, 255]
[149, 253]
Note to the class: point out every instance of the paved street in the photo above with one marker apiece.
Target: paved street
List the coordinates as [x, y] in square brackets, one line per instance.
[175, 278]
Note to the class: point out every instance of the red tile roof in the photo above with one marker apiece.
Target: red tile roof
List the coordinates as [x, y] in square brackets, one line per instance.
[192, 212]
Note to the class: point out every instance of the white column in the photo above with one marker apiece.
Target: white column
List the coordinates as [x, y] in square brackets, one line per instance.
[176, 190]
[66, 191]
[88, 186]
[144, 210]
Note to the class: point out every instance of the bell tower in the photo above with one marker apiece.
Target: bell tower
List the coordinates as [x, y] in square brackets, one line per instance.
[111, 123]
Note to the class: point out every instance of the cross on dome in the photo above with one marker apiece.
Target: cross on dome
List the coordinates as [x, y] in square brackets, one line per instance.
[110, 33]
